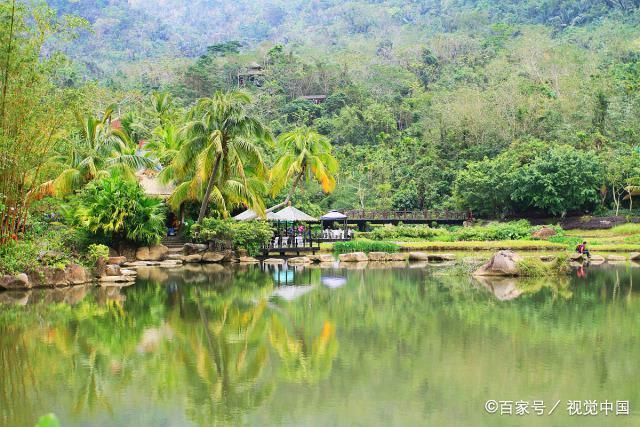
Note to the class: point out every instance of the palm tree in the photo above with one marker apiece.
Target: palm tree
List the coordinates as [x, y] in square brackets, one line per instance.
[165, 143]
[221, 160]
[304, 154]
[97, 149]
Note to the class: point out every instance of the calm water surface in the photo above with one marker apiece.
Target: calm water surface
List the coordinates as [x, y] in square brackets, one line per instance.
[362, 346]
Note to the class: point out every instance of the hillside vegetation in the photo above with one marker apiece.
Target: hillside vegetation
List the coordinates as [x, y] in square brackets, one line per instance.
[499, 107]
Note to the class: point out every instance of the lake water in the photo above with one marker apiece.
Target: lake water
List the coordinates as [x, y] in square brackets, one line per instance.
[364, 346]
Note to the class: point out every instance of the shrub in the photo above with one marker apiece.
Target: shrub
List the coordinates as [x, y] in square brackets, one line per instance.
[249, 235]
[38, 248]
[96, 252]
[364, 246]
[403, 231]
[516, 230]
[533, 267]
[16, 257]
[115, 209]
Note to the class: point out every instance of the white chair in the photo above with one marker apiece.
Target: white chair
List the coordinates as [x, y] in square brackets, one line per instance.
[276, 242]
[299, 241]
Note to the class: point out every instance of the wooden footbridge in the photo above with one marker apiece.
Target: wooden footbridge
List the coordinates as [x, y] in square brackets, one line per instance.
[363, 216]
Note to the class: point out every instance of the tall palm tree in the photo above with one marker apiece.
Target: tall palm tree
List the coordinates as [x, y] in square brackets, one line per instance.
[97, 149]
[304, 154]
[221, 155]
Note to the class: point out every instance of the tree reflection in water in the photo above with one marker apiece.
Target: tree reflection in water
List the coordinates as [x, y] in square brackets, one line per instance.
[214, 343]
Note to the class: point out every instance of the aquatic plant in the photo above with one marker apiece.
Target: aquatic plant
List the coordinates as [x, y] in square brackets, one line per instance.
[364, 245]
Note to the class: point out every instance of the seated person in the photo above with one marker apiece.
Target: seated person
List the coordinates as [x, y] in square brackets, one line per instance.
[582, 249]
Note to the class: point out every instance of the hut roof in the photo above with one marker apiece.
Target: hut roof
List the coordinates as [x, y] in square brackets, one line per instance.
[250, 214]
[292, 214]
[333, 216]
[152, 186]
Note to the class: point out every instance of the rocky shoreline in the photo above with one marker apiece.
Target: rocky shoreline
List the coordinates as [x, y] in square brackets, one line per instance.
[121, 268]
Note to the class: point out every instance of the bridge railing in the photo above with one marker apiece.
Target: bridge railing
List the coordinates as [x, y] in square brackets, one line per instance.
[428, 215]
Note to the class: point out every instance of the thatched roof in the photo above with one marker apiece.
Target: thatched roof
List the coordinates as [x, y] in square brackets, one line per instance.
[333, 216]
[287, 214]
[153, 187]
[250, 214]
[292, 214]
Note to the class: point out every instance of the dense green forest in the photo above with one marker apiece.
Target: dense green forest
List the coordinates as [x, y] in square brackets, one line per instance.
[499, 107]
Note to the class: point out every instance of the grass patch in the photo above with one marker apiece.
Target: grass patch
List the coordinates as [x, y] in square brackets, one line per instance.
[533, 267]
[523, 245]
[364, 245]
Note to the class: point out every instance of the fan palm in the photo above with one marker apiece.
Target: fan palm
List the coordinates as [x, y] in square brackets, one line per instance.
[221, 159]
[304, 154]
[97, 149]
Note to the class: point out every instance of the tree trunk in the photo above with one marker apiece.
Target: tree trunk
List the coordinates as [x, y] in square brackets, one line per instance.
[286, 201]
[207, 194]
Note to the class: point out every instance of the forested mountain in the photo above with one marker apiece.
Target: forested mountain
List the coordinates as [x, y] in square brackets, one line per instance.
[500, 106]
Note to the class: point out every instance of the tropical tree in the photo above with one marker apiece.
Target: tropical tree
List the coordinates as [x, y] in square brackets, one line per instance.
[118, 209]
[304, 154]
[96, 149]
[165, 143]
[221, 160]
[33, 108]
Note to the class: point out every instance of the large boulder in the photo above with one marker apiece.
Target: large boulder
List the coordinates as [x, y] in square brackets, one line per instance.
[597, 260]
[418, 256]
[117, 260]
[19, 281]
[73, 274]
[503, 263]
[248, 260]
[398, 256]
[616, 258]
[192, 259]
[634, 256]
[112, 270]
[378, 256]
[194, 248]
[576, 257]
[441, 257]
[158, 252]
[76, 274]
[354, 257]
[543, 233]
[170, 263]
[321, 258]
[153, 253]
[211, 257]
[274, 261]
[301, 260]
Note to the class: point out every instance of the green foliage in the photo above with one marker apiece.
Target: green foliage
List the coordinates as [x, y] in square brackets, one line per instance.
[49, 420]
[249, 235]
[551, 179]
[220, 163]
[403, 231]
[17, 257]
[115, 209]
[363, 245]
[43, 244]
[96, 252]
[534, 267]
[515, 230]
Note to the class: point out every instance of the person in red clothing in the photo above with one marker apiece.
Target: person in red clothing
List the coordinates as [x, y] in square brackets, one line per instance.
[582, 249]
